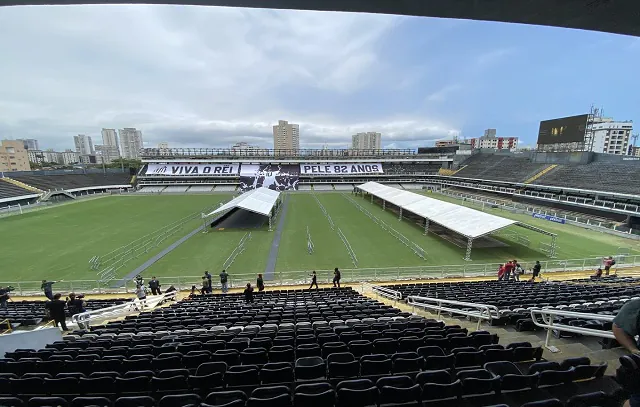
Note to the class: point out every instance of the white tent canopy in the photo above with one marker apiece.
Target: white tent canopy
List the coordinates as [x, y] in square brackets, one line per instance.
[460, 219]
[467, 222]
[260, 200]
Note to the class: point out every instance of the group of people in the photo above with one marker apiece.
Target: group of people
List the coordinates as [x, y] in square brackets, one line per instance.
[337, 276]
[511, 270]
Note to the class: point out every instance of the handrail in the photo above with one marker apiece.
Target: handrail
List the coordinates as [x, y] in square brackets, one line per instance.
[547, 315]
[387, 292]
[134, 306]
[9, 329]
[484, 311]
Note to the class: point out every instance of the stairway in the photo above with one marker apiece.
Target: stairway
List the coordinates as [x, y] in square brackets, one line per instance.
[22, 185]
[446, 171]
[540, 174]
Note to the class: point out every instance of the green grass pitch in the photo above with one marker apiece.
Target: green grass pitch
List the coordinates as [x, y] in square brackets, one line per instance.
[57, 243]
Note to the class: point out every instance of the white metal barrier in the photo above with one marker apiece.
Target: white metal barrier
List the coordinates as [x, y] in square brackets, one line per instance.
[84, 319]
[545, 318]
[483, 312]
[386, 292]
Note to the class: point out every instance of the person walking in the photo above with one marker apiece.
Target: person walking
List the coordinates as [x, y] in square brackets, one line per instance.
[336, 277]
[46, 286]
[536, 271]
[208, 276]
[314, 280]
[154, 285]
[56, 309]
[224, 278]
[608, 263]
[260, 283]
[141, 293]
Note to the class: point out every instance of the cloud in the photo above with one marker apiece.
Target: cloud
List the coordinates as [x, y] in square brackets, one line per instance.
[443, 93]
[192, 75]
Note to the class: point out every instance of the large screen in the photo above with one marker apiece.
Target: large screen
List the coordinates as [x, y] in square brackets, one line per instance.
[565, 130]
[277, 177]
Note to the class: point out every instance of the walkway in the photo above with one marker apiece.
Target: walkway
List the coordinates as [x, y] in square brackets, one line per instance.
[270, 269]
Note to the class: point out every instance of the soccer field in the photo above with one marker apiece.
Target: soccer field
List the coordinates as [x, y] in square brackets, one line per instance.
[57, 243]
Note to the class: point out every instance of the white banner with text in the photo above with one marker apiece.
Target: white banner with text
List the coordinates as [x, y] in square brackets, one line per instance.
[331, 169]
[192, 169]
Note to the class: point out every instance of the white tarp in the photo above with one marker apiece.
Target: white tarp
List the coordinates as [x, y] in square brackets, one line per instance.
[192, 169]
[331, 169]
[260, 200]
[460, 219]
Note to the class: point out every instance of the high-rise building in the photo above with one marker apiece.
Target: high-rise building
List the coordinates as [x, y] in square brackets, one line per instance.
[490, 133]
[70, 157]
[30, 144]
[13, 156]
[366, 141]
[110, 148]
[609, 137]
[83, 144]
[286, 136]
[163, 145]
[131, 142]
[494, 143]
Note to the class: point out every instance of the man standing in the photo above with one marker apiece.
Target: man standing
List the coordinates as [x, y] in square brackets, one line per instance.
[208, 276]
[536, 271]
[336, 277]
[608, 262]
[206, 286]
[56, 309]
[154, 285]
[47, 288]
[626, 326]
[4, 297]
[508, 268]
[224, 278]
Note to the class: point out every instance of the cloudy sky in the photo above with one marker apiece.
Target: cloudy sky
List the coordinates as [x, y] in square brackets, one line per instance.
[205, 76]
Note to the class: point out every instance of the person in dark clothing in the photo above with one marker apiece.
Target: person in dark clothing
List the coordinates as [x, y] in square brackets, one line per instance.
[154, 285]
[56, 309]
[597, 274]
[47, 288]
[626, 326]
[536, 270]
[206, 288]
[224, 281]
[208, 276]
[248, 294]
[336, 277]
[260, 283]
[76, 304]
[4, 297]
[314, 280]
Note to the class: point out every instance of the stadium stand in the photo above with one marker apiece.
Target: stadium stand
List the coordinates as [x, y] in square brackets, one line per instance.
[225, 188]
[292, 348]
[410, 168]
[8, 190]
[499, 168]
[514, 299]
[323, 187]
[176, 188]
[27, 313]
[599, 176]
[201, 188]
[71, 181]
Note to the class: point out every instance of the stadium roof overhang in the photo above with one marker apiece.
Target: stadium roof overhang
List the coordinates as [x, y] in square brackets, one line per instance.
[464, 221]
[619, 16]
[260, 201]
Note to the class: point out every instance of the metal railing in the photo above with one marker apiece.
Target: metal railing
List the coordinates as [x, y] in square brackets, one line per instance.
[8, 324]
[483, 312]
[301, 277]
[545, 318]
[84, 319]
[386, 292]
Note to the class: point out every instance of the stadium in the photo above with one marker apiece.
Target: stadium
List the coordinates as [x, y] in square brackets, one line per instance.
[435, 276]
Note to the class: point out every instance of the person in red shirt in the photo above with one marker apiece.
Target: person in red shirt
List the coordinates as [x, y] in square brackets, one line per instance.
[608, 262]
[501, 270]
[508, 268]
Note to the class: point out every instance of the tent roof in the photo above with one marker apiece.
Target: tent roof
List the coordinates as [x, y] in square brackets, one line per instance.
[260, 200]
[460, 219]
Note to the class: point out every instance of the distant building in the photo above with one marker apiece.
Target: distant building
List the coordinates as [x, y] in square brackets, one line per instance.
[286, 136]
[110, 149]
[88, 159]
[609, 137]
[83, 144]
[636, 151]
[494, 143]
[163, 145]
[446, 143]
[70, 157]
[490, 132]
[13, 156]
[30, 144]
[366, 141]
[51, 156]
[35, 156]
[131, 142]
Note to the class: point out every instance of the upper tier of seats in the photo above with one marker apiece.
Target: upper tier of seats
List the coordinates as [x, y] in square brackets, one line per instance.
[499, 168]
[70, 181]
[292, 348]
[8, 190]
[623, 177]
[421, 168]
